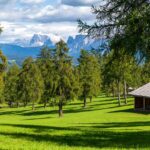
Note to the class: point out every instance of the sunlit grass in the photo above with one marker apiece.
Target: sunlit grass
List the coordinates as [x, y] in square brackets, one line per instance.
[101, 125]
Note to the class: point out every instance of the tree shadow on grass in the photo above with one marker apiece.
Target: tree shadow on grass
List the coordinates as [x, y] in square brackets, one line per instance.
[49, 112]
[82, 126]
[116, 124]
[12, 112]
[40, 128]
[66, 111]
[39, 118]
[90, 107]
[87, 136]
[131, 110]
[37, 113]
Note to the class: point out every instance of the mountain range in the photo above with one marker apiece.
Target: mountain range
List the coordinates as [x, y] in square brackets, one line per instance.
[20, 49]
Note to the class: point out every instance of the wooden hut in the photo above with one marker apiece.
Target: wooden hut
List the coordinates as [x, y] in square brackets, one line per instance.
[142, 98]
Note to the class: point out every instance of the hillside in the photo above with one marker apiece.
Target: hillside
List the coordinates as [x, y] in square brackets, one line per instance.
[18, 53]
[101, 125]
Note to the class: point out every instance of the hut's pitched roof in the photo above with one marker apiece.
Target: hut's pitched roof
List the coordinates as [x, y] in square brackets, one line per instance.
[143, 91]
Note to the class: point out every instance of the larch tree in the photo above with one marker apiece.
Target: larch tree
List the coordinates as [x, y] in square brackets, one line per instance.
[89, 75]
[145, 73]
[45, 63]
[117, 73]
[31, 82]
[3, 66]
[127, 22]
[11, 85]
[112, 76]
[65, 89]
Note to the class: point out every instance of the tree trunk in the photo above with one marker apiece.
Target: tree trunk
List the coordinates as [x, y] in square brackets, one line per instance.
[84, 101]
[33, 107]
[119, 102]
[17, 104]
[113, 91]
[90, 99]
[53, 102]
[25, 103]
[125, 92]
[60, 109]
[10, 104]
[45, 103]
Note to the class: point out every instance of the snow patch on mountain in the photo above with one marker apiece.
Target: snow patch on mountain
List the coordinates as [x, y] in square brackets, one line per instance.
[79, 42]
[38, 40]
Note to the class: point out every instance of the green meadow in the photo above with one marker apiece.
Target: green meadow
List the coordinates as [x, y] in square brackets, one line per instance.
[102, 125]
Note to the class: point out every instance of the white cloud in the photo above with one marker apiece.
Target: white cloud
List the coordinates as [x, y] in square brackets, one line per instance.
[61, 13]
[32, 1]
[23, 18]
[46, 14]
[12, 31]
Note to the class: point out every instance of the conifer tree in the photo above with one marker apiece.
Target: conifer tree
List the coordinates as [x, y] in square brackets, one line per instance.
[126, 22]
[3, 66]
[145, 72]
[118, 73]
[89, 75]
[31, 82]
[11, 85]
[65, 88]
[46, 65]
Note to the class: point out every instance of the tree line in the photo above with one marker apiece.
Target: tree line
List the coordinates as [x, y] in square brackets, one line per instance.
[53, 79]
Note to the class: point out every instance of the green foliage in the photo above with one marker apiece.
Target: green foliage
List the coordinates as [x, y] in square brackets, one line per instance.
[126, 26]
[3, 66]
[11, 84]
[89, 75]
[45, 53]
[145, 73]
[30, 82]
[65, 89]
[120, 72]
[1, 89]
[46, 65]
[3, 62]
[1, 29]
[125, 22]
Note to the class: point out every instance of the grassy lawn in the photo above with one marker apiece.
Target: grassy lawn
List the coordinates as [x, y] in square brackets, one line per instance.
[101, 125]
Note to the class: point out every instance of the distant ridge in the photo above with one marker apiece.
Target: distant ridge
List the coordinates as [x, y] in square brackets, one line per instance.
[23, 48]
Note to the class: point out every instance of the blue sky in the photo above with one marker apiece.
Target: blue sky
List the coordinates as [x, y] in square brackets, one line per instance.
[57, 18]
